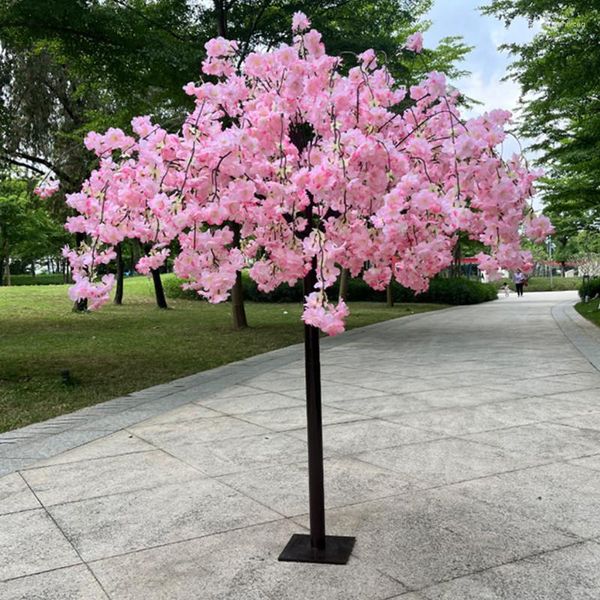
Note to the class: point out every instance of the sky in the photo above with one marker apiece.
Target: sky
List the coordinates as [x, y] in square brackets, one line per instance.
[486, 63]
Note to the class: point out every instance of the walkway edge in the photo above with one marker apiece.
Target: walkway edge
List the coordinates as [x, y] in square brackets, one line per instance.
[22, 448]
[585, 336]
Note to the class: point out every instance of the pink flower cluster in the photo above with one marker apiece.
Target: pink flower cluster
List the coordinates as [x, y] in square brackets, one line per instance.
[47, 188]
[287, 162]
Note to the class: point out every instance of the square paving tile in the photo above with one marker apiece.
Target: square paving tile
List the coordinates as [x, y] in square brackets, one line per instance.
[116, 444]
[285, 488]
[71, 583]
[102, 476]
[372, 434]
[233, 455]
[542, 442]
[423, 538]
[571, 573]
[287, 419]
[238, 405]
[563, 495]
[15, 495]
[443, 461]
[238, 565]
[103, 527]
[457, 421]
[333, 392]
[30, 542]
[200, 430]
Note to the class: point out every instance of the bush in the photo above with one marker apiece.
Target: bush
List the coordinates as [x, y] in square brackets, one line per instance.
[441, 291]
[590, 288]
[43, 279]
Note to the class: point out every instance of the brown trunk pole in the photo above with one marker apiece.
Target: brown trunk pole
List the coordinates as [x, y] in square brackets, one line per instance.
[238, 311]
[159, 291]
[120, 274]
[344, 276]
[389, 295]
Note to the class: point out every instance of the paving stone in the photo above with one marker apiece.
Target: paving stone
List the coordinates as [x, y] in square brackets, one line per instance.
[238, 565]
[102, 476]
[582, 421]
[443, 461]
[30, 542]
[542, 442]
[361, 436]
[71, 583]
[286, 419]
[589, 462]
[239, 454]
[200, 430]
[457, 421]
[562, 495]
[121, 442]
[347, 480]
[332, 392]
[236, 405]
[426, 537]
[15, 495]
[120, 523]
[571, 573]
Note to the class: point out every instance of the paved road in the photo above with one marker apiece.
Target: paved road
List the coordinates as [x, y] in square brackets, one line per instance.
[463, 451]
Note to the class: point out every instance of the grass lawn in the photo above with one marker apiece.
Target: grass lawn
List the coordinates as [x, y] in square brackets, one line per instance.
[120, 349]
[590, 310]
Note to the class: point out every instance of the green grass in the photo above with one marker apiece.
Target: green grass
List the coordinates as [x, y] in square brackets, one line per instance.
[590, 310]
[120, 349]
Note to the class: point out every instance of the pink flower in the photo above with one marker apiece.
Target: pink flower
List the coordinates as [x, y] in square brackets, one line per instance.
[300, 22]
[414, 42]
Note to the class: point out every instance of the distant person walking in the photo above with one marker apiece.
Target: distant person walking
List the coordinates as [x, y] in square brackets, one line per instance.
[519, 279]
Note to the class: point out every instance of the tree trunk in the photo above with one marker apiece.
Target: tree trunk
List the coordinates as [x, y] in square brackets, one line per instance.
[7, 271]
[80, 305]
[344, 276]
[389, 295]
[457, 262]
[563, 268]
[221, 18]
[159, 291]
[238, 310]
[120, 270]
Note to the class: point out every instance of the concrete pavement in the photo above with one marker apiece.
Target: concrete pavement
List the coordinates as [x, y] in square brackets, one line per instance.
[462, 450]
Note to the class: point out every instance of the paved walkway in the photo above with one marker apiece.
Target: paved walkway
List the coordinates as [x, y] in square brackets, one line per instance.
[463, 451]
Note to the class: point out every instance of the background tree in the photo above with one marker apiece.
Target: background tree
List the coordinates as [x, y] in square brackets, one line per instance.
[104, 62]
[27, 230]
[559, 73]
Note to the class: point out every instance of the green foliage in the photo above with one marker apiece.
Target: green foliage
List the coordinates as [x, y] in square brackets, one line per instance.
[444, 291]
[591, 288]
[27, 230]
[559, 72]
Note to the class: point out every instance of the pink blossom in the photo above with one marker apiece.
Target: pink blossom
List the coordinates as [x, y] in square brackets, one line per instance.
[414, 42]
[390, 189]
[300, 22]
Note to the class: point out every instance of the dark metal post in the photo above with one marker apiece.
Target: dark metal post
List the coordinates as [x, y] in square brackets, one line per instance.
[316, 487]
[316, 547]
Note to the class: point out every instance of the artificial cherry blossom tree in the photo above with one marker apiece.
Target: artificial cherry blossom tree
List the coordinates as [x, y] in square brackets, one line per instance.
[319, 171]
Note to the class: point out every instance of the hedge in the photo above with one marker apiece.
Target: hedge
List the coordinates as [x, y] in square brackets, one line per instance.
[543, 284]
[442, 291]
[42, 279]
[590, 289]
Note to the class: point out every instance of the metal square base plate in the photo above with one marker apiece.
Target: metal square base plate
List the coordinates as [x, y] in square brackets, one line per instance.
[337, 550]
